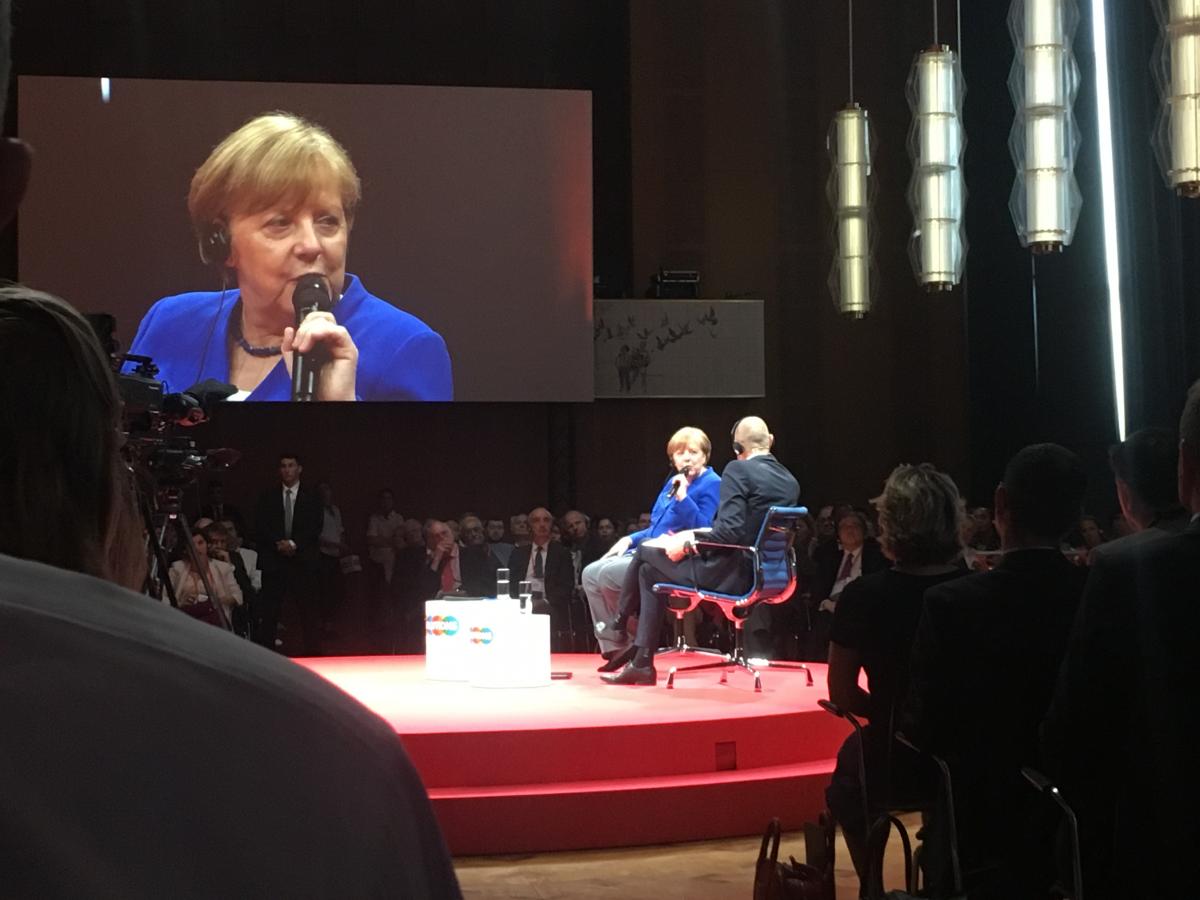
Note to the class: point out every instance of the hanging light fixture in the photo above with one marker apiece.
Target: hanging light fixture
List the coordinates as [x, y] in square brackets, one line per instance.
[936, 194]
[1044, 140]
[849, 188]
[1177, 138]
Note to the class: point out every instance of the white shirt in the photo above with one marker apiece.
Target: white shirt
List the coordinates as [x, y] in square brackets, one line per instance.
[283, 496]
[380, 526]
[854, 572]
[332, 531]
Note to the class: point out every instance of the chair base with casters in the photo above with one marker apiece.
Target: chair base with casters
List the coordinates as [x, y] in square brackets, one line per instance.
[681, 646]
[774, 569]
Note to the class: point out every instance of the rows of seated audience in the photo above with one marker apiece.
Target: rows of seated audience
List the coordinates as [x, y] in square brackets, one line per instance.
[403, 561]
[958, 617]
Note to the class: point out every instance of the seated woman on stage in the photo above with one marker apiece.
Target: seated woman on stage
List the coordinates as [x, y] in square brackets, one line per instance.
[274, 202]
[688, 499]
[921, 522]
[190, 592]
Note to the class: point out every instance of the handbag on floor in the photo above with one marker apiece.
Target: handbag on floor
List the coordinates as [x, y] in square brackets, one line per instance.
[791, 880]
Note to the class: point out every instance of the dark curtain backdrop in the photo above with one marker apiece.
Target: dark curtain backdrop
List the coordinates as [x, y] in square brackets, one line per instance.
[710, 120]
[1159, 234]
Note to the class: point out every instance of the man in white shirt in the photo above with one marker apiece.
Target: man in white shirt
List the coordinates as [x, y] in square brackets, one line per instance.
[384, 531]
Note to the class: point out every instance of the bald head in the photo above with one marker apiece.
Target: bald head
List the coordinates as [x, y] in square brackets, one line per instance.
[751, 432]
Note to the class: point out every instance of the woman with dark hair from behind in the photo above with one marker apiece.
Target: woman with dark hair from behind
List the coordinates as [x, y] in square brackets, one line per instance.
[65, 493]
[920, 519]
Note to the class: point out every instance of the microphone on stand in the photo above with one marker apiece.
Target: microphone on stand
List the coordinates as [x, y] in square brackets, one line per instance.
[310, 295]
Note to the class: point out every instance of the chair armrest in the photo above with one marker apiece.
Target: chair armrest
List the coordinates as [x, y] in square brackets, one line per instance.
[714, 544]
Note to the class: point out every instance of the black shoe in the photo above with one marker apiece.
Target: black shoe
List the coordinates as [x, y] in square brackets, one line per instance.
[617, 658]
[632, 674]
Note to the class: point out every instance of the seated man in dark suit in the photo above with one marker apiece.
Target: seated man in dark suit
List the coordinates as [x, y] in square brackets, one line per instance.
[547, 566]
[857, 554]
[477, 565]
[750, 485]
[983, 667]
[1122, 734]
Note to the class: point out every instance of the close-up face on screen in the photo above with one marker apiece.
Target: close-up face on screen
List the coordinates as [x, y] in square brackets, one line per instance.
[318, 241]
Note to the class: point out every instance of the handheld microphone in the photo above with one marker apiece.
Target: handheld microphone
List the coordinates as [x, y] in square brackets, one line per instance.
[673, 487]
[310, 295]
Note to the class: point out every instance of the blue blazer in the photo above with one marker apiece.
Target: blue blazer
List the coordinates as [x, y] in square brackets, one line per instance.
[696, 510]
[399, 356]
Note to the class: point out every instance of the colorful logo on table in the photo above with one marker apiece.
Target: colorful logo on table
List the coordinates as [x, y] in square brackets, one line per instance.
[482, 635]
[441, 626]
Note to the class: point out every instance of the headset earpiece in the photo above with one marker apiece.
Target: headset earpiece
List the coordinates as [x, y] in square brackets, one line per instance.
[738, 449]
[214, 244]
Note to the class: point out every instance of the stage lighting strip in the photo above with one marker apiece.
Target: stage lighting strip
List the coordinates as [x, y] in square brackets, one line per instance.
[1109, 199]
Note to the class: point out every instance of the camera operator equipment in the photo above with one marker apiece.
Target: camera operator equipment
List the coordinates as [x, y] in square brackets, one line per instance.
[162, 464]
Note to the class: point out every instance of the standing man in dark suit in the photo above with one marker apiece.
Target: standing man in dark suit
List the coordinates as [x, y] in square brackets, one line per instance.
[983, 668]
[547, 566]
[288, 522]
[1123, 732]
[750, 485]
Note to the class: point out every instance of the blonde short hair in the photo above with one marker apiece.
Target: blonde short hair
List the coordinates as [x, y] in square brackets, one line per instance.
[276, 157]
[689, 435]
[920, 516]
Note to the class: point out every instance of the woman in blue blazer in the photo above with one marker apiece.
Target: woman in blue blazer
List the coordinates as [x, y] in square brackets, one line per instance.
[688, 499]
[275, 202]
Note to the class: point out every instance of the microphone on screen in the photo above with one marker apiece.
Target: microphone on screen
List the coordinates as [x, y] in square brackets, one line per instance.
[310, 295]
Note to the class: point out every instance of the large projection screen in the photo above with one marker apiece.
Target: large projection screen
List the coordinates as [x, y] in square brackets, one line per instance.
[476, 213]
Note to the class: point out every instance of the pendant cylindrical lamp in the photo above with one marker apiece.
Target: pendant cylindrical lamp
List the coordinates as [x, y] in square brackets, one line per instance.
[1177, 138]
[1044, 140]
[936, 193]
[849, 145]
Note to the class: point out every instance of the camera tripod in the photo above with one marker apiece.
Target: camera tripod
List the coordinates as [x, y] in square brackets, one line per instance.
[163, 517]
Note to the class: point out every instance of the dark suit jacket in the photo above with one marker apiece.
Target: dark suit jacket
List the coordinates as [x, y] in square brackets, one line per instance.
[308, 517]
[749, 487]
[560, 572]
[477, 566]
[982, 671]
[830, 564]
[1122, 734]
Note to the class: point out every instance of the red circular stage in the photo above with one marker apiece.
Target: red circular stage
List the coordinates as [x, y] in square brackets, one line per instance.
[580, 763]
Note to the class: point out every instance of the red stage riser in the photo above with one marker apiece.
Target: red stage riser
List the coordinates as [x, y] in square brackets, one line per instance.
[587, 765]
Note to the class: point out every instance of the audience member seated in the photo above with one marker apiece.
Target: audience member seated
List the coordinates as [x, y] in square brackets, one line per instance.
[983, 531]
[477, 565]
[687, 499]
[191, 593]
[856, 555]
[546, 565]
[607, 530]
[920, 520]
[216, 509]
[772, 631]
[752, 483]
[233, 542]
[585, 547]
[192, 763]
[983, 668]
[1145, 467]
[501, 549]
[218, 549]
[1121, 736]
[518, 528]
[1089, 535]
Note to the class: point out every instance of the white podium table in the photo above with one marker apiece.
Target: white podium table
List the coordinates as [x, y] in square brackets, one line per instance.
[488, 643]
